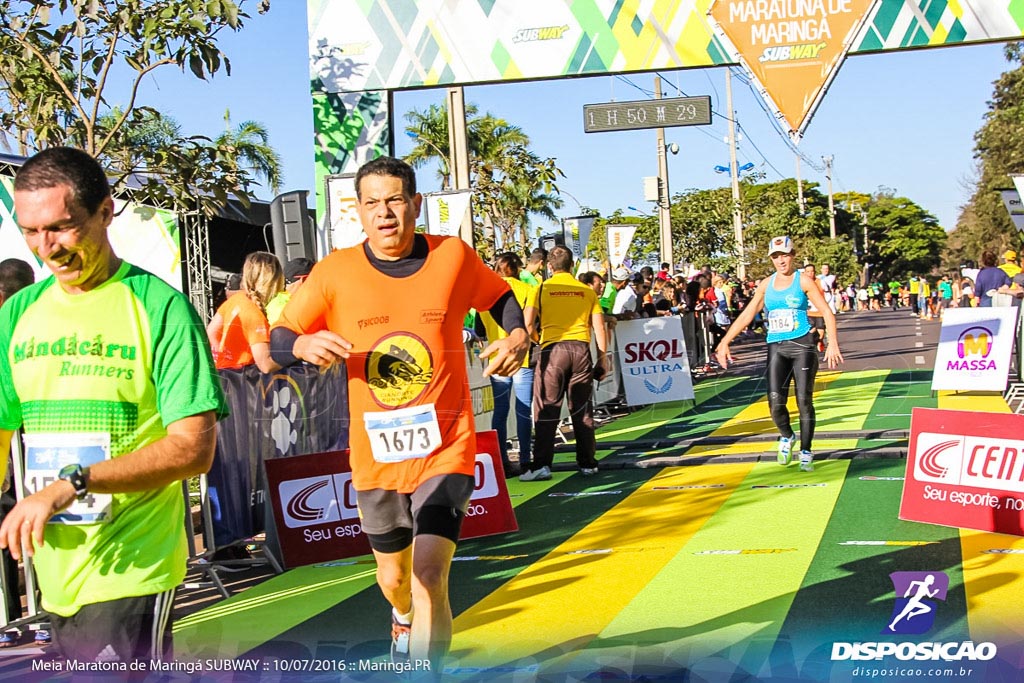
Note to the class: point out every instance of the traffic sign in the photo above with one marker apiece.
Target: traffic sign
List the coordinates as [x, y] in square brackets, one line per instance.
[663, 113]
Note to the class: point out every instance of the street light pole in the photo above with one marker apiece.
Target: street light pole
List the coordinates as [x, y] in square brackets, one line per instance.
[664, 199]
[459, 146]
[737, 216]
[831, 204]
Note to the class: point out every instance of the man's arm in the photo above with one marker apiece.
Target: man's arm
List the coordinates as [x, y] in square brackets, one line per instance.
[600, 338]
[186, 450]
[508, 353]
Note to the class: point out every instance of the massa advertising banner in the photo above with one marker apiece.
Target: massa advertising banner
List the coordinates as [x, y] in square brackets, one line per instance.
[316, 515]
[965, 469]
[974, 351]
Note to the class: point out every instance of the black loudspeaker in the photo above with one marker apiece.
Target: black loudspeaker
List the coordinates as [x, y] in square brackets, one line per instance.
[550, 240]
[294, 235]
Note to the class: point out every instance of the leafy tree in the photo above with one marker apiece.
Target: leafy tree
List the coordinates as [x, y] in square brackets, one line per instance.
[905, 239]
[999, 147]
[248, 144]
[61, 62]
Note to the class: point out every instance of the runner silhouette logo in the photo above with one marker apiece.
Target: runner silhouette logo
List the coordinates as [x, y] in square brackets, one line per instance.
[916, 593]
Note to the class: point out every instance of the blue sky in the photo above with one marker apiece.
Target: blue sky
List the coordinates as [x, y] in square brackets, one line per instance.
[903, 120]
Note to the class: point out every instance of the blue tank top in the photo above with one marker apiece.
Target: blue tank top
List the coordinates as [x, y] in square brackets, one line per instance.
[786, 311]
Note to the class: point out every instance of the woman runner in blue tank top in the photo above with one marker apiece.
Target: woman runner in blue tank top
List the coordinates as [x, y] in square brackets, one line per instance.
[792, 349]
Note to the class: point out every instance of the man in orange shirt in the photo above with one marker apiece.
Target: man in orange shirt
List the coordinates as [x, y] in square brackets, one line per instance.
[392, 309]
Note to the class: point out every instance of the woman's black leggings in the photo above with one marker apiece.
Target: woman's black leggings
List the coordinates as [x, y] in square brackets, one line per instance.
[787, 360]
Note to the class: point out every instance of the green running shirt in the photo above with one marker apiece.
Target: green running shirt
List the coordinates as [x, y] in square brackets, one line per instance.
[127, 358]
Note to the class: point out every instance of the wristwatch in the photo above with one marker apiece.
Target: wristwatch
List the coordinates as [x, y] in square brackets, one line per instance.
[78, 477]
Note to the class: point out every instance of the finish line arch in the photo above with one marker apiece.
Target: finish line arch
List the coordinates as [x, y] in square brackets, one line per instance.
[360, 52]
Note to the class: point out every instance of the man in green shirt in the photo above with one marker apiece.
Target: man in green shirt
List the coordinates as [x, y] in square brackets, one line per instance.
[108, 370]
[533, 273]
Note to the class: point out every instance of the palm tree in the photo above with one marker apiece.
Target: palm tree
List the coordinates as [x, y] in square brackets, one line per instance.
[249, 145]
[510, 182]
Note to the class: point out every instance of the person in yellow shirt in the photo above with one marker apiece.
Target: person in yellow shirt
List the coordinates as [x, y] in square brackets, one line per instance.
[568, 311]
[508, 265]
[1010, 266]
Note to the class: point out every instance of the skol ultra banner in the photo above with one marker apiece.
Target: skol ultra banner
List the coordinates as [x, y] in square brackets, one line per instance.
[317, 519]
[965, 469]
[446, 211]
[619, 239]
[974, 348]
[653, 360]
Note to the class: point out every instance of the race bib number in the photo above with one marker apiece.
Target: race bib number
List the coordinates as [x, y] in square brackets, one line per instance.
[782, 320]
[47, 454]
[403, 434]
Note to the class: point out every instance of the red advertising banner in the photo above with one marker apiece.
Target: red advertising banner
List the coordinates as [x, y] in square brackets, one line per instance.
[315, 509]
[965, 469]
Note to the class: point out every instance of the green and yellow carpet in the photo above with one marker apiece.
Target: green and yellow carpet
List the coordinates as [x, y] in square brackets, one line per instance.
[728, 570]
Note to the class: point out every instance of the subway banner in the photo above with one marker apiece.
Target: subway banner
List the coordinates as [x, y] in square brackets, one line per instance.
[790, 48]
[619, 239]
[316, 516]
[653, 360]
[965, 469]
[576, 233]
[974, 349]
[446, 211]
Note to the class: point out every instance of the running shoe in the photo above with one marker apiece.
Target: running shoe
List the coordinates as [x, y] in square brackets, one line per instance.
[806, 461]
[400, 634]
[587, 471]
[42, 636]
[785, 450]
[543, 474]
[10, 637]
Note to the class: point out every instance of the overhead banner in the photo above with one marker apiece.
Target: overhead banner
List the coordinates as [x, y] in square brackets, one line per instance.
[1014, 207]
[576, 232]
[446, 211]
[317, 519]
[974, 349]
[344, 227]
[653, 360]
[619, 239]
[965, 469]
[792, 49]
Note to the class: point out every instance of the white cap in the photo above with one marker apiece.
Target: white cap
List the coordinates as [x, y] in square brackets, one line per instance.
[780, 245]
[621, 273]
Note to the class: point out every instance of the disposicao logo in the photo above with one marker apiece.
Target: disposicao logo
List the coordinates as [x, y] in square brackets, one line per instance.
[913, 614]
[914, 611]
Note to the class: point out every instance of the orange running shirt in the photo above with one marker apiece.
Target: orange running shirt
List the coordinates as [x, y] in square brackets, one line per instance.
[407, 350]
[244, 325]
